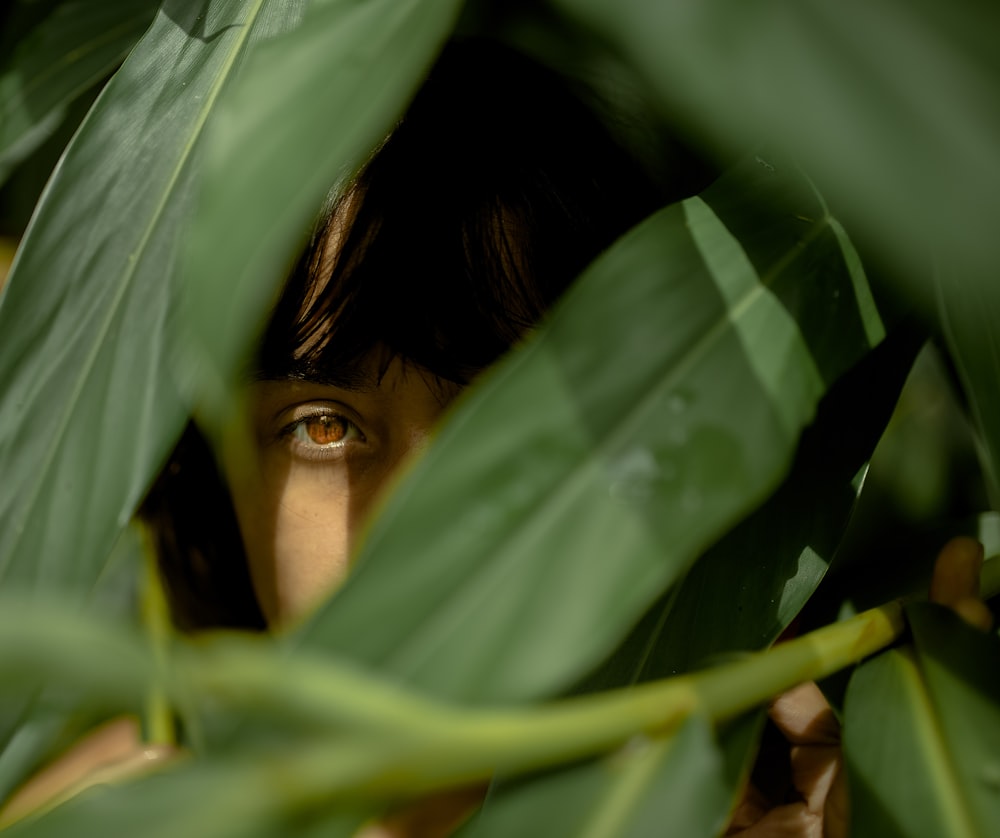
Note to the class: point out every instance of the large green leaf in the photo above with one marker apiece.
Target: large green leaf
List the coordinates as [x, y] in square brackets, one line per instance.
[892, 106]
[664, 399]
[89, 410]
[76, 46]
[308, 109]
[922, 734]
[210, 799]
[777, 556]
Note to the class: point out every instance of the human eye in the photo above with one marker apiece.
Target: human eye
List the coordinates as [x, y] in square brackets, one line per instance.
[321, 433]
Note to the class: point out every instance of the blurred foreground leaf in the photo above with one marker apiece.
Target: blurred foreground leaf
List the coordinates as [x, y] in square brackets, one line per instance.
[89, 409]
[891, 106]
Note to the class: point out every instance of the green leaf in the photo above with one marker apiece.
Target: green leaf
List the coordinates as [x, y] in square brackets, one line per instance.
[89, 410]
[37, 721]
[662, 402]
[968, 316]
[308, 109]
[210, 799]
[890, 106]
[922, 733]
[649, 787]
[774, 559]
[76, 46]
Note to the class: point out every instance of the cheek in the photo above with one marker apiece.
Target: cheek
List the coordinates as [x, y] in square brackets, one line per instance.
[297, 525]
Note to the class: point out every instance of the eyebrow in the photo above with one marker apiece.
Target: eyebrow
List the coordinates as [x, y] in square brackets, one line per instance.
[354, 376]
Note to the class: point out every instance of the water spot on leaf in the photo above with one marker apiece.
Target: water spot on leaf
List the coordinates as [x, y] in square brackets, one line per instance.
[634, 474]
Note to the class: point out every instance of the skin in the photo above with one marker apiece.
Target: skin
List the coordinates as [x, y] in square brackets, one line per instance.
[321, 455]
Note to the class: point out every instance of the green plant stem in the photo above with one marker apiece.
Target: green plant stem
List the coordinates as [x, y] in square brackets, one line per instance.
[373, 739]
[159, 719]
[422, 745]
[385, 742]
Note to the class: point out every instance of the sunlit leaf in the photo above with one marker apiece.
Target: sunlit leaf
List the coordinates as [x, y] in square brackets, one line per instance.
[76, 46]
[38, 717]
[664, 399]
[922, 734]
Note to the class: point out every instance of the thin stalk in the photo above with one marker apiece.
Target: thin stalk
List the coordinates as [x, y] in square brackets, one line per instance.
[384, 741]
[155, 611]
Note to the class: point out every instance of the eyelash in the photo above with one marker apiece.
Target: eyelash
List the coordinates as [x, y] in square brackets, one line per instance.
[296, 435]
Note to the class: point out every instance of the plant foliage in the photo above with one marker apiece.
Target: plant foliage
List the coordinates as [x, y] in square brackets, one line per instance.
[654, 485]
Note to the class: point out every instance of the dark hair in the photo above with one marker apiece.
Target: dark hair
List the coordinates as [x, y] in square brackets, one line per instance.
[492, 193]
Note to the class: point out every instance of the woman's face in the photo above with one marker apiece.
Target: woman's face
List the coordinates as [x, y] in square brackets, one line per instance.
[321, 454]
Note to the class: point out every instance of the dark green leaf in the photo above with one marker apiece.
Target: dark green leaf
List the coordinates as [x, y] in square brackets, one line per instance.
[76, 46]
[922, 734]
[891, 106]
[89, 410]
[969, 316]
[310, 105]
[663, 401]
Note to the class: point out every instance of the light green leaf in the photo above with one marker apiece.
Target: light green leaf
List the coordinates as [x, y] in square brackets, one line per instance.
[75, 47]
[922, 734]
[308, 109]
[586, 473]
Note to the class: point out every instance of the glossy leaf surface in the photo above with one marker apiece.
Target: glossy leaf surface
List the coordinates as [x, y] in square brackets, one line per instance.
[89, 410]
[922, 733]
[76, 46]
[611, 451]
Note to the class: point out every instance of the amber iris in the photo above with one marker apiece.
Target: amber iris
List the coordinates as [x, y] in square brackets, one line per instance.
[325, 430]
